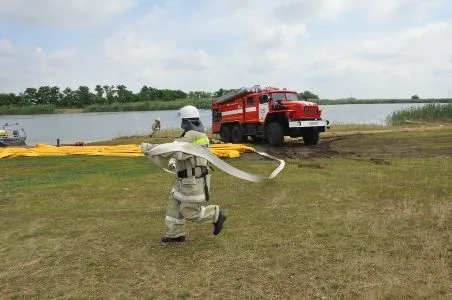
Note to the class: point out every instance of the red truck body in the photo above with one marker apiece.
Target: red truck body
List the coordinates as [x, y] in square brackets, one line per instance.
[267, 114]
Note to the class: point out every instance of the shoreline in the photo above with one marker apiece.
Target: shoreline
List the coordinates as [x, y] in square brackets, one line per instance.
[69, 110]
[134, 106]
[340, 130]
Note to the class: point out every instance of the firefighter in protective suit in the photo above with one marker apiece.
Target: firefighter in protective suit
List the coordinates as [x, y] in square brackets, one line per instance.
[155, 127]
[191, 191]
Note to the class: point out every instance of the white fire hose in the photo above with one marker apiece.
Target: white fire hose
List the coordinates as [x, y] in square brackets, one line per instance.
[189, 148]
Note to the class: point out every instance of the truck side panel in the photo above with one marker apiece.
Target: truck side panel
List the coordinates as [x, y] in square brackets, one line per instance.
[232, 111]
[251, 109]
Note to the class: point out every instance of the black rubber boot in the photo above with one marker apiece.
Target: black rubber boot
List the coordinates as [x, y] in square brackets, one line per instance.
[178, 239]
[219, 224]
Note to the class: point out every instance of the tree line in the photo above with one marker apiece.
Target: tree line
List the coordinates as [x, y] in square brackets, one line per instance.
[105, 95]
[83, 96]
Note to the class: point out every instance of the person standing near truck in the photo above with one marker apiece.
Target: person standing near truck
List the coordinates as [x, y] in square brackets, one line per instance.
[155, 127]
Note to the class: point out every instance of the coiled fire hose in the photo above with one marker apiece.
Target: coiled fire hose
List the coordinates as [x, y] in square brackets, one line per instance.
[189, 148]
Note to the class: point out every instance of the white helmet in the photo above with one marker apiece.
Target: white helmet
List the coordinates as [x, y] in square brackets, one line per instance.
[188, 112]
[158, 119]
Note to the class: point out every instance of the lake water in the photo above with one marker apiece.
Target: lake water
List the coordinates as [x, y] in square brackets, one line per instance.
[90, 127]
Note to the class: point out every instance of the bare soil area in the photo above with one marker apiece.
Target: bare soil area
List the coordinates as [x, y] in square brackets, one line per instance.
[413, 142]
[364, 142]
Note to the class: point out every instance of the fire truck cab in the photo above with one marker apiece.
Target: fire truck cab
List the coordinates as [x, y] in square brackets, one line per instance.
[266, 114]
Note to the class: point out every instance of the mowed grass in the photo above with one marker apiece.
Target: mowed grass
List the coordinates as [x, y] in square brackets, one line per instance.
[90, 227]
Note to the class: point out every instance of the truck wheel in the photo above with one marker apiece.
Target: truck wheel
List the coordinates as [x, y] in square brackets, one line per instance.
[275, 134]
[225, 133]
[237, 134]
[311, 136]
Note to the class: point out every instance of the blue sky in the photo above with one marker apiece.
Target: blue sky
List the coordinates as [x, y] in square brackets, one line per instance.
[385, 49]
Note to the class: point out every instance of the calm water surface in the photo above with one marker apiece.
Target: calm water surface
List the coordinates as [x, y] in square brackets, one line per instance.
[90, 127]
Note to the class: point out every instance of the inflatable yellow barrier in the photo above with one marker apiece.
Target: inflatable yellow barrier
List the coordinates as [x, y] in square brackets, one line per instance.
[131, 150]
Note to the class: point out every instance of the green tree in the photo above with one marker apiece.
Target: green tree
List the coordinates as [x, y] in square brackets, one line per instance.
[43, 95]
[99, 90]
[219, 93]
[11, 99]
[68, 98]
[308, 95]
[144, 94]
[54, 96]
[83, 96]
[102, 94]
[31, 95]
[124, 95]
[110, 93]
[199, 95]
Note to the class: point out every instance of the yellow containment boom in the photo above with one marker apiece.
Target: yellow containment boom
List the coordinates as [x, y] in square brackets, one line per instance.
[130, 150]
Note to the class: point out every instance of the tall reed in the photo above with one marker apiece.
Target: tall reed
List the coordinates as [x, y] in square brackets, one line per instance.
[429, 112]
[149, 105]
[27, 110]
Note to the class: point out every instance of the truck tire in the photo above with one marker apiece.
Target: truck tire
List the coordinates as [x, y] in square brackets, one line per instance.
[275, 134]
[225, 133]
[237, 134]
[311, 136]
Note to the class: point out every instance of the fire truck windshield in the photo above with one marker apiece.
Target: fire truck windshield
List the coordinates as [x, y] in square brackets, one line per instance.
[284, 96]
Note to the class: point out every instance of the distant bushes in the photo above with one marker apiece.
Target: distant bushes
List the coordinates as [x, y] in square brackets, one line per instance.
[113, 107]
[201, 103]
[377, 101]
[102, 95]
[429, 112]
[27, 110]
[117, 98]
[148, 105]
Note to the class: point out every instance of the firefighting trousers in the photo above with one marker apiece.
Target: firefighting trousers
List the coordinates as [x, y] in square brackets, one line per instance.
[179, 211]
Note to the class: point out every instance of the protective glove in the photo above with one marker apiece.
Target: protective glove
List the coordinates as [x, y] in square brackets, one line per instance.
[146, 147]
[172, 164]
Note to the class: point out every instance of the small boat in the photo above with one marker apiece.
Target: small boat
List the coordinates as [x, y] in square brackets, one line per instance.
[12, 137]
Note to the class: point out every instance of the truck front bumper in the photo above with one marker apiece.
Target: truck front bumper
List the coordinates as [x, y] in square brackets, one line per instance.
[313, 123]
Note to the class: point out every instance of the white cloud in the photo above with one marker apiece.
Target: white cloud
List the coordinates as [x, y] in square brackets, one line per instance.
[258, 47]
[63, 13]
[403, 8]
[308, 10]
[411, 45]
[159, 57]
[403, 61]
[6, 48]
[229, 43]
[32, 66]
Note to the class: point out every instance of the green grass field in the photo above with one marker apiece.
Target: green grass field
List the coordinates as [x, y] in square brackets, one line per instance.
[326, 228]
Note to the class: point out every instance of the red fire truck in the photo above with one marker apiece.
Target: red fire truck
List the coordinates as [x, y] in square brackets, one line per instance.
[267, 114]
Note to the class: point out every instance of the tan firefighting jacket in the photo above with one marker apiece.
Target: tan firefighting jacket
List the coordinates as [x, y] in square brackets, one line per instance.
[193, 183]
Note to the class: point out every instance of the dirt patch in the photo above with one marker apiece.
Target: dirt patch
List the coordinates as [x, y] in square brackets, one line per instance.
[372, 146]
[366, 144]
